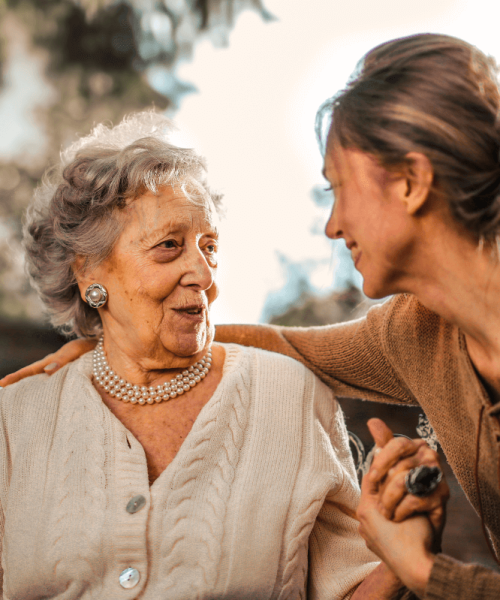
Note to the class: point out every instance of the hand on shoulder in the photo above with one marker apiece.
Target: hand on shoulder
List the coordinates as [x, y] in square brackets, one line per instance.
[52, 362]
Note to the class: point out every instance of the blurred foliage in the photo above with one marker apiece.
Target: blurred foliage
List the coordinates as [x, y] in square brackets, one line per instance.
[312, 310]
[301, 303]
[99, 59]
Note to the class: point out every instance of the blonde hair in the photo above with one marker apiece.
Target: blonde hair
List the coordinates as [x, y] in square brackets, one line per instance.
[76, 207]
[433, 94]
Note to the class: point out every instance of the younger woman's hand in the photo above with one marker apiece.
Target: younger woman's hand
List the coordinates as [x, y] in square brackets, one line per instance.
[52, 362]
[406, 544]
[404, 547]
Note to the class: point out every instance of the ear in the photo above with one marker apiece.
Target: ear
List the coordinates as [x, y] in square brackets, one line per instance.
[82, 275]
[419, 176]
[79, 270]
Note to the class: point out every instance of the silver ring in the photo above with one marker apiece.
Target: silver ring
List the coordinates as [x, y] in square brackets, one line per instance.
[422, 481]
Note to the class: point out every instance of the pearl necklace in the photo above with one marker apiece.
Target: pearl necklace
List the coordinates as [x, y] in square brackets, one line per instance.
[125, 391]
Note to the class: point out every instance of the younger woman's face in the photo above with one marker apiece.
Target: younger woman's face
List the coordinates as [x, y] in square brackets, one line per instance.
[369, 214]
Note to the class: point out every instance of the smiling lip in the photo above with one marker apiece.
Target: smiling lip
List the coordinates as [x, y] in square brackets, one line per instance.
[193, 312]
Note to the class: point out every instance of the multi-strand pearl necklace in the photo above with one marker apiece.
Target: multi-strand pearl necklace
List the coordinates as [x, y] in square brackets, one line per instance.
[125, 391]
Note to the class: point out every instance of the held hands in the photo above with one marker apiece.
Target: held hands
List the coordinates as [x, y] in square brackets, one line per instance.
[396, 457]
[51, 363]
[389, 517]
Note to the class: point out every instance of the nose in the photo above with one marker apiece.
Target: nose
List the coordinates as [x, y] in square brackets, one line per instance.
[333, 229]
[198, 274]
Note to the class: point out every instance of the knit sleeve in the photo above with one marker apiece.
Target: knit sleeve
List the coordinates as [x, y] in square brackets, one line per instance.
[2, 523]
[338, 557]
[354, 359]
[3, 487]
[453, 580]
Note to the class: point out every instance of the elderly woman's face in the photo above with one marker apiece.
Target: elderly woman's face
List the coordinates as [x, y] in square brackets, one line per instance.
[161, 275]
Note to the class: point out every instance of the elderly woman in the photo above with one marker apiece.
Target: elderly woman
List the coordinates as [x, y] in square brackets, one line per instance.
[413, 157]
[162, 465]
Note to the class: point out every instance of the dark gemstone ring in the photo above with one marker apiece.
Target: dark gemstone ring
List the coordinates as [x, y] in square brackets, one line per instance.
[422, 481]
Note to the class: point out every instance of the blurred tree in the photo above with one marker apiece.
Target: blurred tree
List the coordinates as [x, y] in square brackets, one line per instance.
[66, 65]
[301, 303]
[312, 310]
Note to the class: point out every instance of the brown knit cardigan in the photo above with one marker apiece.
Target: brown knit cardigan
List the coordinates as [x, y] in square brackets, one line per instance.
[403, 353]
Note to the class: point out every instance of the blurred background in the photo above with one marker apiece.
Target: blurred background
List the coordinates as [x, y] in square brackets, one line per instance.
[243, 80]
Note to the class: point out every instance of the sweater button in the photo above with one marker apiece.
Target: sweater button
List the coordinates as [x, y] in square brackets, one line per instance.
[129, 578]
[135, 504]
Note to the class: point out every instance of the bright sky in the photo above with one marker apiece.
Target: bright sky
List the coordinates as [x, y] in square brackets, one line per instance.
[254, 121]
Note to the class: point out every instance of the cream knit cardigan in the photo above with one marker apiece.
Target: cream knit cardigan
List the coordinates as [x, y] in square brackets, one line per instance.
[258, 503]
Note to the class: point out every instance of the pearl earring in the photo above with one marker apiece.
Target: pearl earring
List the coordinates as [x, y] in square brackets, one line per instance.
[96, 295]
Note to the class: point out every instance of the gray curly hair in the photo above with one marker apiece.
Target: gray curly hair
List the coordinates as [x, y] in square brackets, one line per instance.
[75, 211]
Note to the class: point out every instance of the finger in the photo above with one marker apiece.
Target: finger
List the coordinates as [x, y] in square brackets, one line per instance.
[66, 354]
[380, 433]
[30, 370]
[73, 350]
[395, 450]
[397, 504]
[438, 520]
[433, 505]
[370, 485]
[52, 362]
[367, 505]
[405, 464]
[393, 489]
[392, 494]
[423, 456]
[411, 505]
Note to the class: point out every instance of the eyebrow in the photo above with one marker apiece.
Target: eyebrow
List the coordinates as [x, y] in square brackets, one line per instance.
[158, 233]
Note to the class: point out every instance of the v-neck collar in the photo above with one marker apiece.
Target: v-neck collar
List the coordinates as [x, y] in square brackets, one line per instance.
[122, 434]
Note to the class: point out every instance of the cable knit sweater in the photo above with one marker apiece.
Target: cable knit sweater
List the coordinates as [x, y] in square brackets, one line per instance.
[402, 352]
[263, 485]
